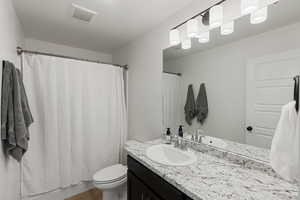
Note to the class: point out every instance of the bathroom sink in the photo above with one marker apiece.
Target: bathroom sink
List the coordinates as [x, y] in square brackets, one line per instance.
[169, 155]
[214, 142]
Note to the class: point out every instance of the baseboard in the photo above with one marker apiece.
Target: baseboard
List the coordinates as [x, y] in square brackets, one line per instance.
[93, 194]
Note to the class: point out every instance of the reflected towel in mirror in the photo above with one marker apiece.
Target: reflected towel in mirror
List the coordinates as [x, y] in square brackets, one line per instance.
[190, 105]
[201, 104]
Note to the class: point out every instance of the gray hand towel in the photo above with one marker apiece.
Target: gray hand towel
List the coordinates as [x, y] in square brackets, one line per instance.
[25, 106]
[15, 113]
[190, 106]
[201, 104]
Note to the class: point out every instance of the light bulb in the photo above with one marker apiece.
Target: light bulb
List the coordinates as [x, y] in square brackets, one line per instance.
[259, 16]
[227, 28]
[203, 37]
[192, 28]
[216, 16]
[248, 6]
[186, 43]
[174, 37]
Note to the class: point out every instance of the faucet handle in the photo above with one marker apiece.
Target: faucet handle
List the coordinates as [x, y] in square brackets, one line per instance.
[184, 145]
[200, 138]
[196, 136]
[176, 141]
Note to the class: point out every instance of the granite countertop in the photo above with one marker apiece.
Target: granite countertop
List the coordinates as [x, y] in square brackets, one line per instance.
[249, 151]
[220, 175]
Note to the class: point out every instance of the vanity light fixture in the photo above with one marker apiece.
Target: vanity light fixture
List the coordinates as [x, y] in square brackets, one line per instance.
[248, 6]
[259, 16]
[174, 34]
[192, 28]
[216, 16]
[174, 37]
[227, 28]
[203, 37]
[273, 2]
[212, 17]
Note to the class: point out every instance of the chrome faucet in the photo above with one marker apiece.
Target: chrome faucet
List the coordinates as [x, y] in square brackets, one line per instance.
[180, 143]
[197, 137]
[200, 138]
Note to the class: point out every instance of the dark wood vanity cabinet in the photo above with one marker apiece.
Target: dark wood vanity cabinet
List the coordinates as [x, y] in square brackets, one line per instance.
[137, 190]
[143, 184]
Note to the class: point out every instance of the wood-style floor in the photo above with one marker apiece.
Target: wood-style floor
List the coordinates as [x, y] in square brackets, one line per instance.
[93, 194]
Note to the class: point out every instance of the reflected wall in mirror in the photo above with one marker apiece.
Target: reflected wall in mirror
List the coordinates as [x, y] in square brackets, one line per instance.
[248, 77]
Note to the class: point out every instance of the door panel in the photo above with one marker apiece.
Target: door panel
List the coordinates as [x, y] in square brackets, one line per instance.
[266, 119]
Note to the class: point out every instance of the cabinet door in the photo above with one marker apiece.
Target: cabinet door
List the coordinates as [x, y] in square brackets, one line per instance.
[159, 186]
[137, 190]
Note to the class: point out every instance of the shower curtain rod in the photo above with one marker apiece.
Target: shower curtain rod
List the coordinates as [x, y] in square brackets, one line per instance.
[178, 74]
[20, 51]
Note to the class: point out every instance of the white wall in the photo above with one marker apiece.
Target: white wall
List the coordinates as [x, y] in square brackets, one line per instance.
[49, 47]
[11, 36]
[144, 56]
[223, 70]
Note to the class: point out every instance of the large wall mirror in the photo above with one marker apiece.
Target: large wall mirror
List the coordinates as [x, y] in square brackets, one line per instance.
[239, 81]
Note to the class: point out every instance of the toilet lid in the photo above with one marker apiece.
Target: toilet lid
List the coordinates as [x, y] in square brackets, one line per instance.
[111, 173]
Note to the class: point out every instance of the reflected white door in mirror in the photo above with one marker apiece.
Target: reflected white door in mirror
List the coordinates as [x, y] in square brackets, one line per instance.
[269, 87]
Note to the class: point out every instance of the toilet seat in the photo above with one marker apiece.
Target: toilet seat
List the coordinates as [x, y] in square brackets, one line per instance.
[112, 174]
[99, 182]
[112, 182]
[109, 186]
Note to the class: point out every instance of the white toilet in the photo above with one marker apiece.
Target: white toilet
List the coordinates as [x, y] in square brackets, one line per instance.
[111, 180]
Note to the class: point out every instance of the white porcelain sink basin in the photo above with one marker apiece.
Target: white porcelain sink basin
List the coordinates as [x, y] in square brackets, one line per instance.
[169, 155]
[214, 142]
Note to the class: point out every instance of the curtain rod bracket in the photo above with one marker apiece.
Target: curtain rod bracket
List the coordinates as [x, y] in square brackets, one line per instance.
[125, 67]
[177, 74]
[19, 50]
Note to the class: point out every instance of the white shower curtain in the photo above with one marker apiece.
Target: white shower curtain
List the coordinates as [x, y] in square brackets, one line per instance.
[80, 121]
[171, 102]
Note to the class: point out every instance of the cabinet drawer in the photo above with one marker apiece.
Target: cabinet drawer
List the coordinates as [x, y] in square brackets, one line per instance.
[161, 187]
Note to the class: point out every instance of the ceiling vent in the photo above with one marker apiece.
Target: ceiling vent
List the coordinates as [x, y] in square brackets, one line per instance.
[83, 14]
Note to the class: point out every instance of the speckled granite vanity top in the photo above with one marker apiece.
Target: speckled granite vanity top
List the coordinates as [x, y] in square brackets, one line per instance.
[221, 174]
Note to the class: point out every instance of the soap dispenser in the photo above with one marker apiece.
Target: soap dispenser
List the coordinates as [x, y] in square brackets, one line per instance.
[180, 131]
[168, 136]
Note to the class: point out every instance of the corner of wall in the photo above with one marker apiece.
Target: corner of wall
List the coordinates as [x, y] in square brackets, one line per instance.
[11, 36]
